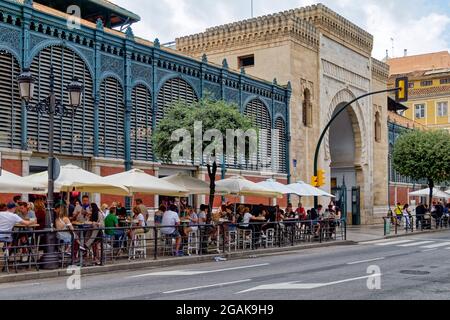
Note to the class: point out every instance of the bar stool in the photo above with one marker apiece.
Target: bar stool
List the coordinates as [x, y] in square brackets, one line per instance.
[139, 246]
[270, 237]
[245, 238]
[232, 240]
[193, 243]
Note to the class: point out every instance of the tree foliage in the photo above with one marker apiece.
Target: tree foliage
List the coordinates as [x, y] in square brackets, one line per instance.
[218, 115]
[424, 155]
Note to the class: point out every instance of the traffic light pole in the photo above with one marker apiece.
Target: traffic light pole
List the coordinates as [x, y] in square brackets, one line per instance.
[327, 127]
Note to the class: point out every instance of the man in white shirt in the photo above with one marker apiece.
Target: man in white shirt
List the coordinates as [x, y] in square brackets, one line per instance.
[170, 223]
[8, 219]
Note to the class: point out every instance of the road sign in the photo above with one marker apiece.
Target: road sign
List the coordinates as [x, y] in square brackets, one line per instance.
[402, 94]
[56, 169]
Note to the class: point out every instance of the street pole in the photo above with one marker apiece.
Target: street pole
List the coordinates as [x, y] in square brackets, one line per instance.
[322, 136]
[50, 258]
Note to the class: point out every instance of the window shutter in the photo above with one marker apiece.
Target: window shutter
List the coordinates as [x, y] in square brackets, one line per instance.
[10, 104]
[281, 152]
[141, 124]
[111, 120]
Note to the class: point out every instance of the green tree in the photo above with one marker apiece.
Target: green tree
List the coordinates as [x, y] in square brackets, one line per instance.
[424, 155]
[218, 115]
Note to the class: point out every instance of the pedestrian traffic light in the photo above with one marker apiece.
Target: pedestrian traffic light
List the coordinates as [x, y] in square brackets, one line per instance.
[321, 178]
[402, 84]
[314, 181]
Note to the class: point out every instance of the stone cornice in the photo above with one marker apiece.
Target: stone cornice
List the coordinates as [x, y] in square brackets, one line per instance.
[380, 70]
[302, 24]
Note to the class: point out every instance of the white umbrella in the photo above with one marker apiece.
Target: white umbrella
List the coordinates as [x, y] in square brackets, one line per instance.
[448, 191]
[242, 187]
[426, 192]
[276, 186]
[11, 183]
[193, 185]
[137, 181]
[303, 189]
[73, 178]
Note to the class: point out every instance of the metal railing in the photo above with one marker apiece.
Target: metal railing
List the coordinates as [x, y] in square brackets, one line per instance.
[87, 246]
[401, 224]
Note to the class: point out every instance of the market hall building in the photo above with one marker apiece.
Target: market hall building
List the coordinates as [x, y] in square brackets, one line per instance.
[128, 85]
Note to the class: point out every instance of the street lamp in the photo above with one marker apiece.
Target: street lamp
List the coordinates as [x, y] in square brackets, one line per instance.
[52, 107]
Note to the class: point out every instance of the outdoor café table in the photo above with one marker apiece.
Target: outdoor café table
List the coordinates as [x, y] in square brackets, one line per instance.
[33, 250]
[82, 227]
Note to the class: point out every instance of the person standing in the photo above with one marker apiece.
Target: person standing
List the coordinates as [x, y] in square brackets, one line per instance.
[398, 211]
[420, 214]
[407, 215]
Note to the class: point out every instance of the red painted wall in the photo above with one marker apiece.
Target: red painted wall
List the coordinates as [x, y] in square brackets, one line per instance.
[13, 166]
[108, 199]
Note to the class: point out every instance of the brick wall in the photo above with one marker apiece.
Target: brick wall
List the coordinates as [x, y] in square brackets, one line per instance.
[108, 199]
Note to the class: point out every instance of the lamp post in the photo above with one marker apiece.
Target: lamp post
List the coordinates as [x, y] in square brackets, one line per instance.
[52, 107]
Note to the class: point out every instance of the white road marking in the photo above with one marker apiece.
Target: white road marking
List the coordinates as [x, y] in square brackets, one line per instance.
[193, 272]
[437, 245]
[12, 286]
[208, 286]
[429, 250]
[364, 261]
[421, 243]
[393, 243]
[376, 241]
[304, 286]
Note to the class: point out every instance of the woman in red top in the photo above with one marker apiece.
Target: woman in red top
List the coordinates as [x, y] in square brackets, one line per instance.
[39, 210]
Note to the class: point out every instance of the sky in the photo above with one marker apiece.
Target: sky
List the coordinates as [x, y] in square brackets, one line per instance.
[420, 26]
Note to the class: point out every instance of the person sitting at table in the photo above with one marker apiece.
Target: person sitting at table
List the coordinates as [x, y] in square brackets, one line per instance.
[82, 213]
[8, 219]
[111, 222]
[290, 213]
[142, 208]
[159, 215]
[65, 229]
[24, 213]
[40, 212]
[138, 223]
[170, 223]
[193, 221]
[271, 219]
[121, 211]
[95, 237]
[314, 218]
[301, 212]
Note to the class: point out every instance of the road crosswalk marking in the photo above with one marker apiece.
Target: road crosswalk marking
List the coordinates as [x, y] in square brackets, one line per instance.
[423, 244]
[416, 244]
[437, 245]
[392, 243]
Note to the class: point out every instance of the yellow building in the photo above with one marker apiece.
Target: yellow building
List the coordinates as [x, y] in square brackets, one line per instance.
[429, 87]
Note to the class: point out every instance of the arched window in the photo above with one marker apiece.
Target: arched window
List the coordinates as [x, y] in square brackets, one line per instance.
[307, 108]
[10, 104]
[258, 113]
[281, 150]
[172, 91]
[141, 124]
[111, 119]
[377, 127]
[73, 135]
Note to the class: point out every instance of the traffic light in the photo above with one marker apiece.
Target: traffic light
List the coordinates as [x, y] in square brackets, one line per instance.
[402, 94]
[321, 178]
[314, 181]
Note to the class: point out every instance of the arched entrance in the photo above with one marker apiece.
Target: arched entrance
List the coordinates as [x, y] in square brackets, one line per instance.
[345, 149]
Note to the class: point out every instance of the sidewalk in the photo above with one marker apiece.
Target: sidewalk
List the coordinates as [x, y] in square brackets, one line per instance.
[365, 233]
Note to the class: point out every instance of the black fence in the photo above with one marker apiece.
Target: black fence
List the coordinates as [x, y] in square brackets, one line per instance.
[87, 246]
[408, 224]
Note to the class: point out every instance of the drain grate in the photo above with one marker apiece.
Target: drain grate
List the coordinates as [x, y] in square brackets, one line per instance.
[415, 272]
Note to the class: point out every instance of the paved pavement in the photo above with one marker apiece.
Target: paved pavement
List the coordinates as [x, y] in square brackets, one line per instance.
[416, 267]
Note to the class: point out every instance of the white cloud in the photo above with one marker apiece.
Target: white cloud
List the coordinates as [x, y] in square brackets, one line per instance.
[417, 25]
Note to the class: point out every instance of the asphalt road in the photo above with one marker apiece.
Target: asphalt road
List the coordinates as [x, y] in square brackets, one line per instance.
[416, 267]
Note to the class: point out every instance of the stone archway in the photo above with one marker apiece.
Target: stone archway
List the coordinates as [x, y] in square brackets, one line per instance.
[346, 150]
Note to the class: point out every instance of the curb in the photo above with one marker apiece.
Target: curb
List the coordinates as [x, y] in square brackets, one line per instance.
[415, 233]
[166, 263]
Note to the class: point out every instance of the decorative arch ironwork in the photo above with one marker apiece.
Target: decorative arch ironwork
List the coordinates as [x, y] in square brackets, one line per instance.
[74, 135]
